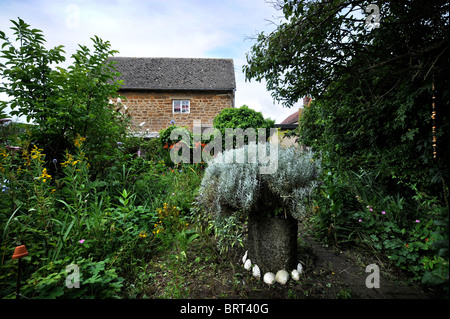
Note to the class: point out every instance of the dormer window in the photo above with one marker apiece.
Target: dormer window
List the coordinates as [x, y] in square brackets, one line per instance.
[180, 106]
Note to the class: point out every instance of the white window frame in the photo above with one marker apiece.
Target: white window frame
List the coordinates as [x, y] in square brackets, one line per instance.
[182, 102]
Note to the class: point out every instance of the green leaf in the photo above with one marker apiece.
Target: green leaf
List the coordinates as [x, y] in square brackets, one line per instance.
[431, 278]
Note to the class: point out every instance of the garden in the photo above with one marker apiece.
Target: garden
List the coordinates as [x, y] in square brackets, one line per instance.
[104, 214]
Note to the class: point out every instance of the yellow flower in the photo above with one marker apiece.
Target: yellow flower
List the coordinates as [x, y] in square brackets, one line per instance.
[79, 141]
[4, 154]
[44, 176]
[36, 153]
[69, 160]
[26, 158]
[143, 234]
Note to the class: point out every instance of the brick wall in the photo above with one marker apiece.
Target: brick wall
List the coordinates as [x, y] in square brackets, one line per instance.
[155, 108]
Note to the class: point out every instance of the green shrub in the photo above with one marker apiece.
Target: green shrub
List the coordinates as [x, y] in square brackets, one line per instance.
[63, 103]
[66, 218]
[97, 280]
[411, 233]
[242, 118]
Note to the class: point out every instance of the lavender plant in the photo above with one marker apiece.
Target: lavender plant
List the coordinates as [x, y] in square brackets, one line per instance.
[230, 187]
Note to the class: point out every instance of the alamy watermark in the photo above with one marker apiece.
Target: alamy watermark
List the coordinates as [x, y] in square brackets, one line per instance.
[73, 16]
[73, 278]
[373, 19]
[373, 280]
[258, 151]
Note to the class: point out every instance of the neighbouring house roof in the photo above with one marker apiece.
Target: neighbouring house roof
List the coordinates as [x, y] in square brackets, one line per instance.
[176, 73]
[292, 119]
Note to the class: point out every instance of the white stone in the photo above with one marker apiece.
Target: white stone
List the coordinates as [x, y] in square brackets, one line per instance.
[245, 257]
[248, 264]
[299, 268]
[282, 276]
[269, 278]
[256, 271]
[295, 275]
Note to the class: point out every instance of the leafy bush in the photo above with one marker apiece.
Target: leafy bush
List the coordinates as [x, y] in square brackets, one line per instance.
[180, 141]
[63, 103]
[229, 231]
[97, 280]
[410, 232]
[242, 118]
[65, 220]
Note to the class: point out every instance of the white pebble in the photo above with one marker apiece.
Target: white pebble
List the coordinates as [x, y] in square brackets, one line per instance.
[269, 278]
[256, 272]
[299, 268]
[245, 257]
[282, 276]
[248, 264]
[295, 275]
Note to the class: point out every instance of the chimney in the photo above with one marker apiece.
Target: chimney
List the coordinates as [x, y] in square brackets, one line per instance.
[306, 101]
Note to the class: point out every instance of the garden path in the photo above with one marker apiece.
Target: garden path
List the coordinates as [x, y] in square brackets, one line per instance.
[348, 269]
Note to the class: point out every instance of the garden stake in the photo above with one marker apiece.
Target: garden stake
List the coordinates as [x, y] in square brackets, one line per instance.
[433, 117]
[19, 252]
[18, 279]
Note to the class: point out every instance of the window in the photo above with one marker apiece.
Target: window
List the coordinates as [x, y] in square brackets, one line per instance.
[180, 106]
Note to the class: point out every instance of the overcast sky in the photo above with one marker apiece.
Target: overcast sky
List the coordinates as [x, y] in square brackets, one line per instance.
[157, 28]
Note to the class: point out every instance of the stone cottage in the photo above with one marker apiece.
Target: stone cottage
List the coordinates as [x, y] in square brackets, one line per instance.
[161, 91]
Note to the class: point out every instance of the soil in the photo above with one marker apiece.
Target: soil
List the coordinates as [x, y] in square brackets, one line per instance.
[329, 273]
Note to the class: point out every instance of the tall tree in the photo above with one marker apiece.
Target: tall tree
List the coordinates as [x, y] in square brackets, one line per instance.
[374, 79]
[63, 103]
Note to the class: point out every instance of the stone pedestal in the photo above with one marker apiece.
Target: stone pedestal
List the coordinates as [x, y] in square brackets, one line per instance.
[272, 243]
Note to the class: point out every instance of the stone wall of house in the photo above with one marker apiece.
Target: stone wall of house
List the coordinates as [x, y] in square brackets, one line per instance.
[155, 108]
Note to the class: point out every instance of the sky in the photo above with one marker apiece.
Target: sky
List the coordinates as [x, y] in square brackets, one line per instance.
[159, 28]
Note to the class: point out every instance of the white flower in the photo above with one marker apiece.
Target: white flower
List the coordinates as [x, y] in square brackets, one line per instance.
[295, 275]
[256, 272]
[248, 264]
[269, 278]
[119, 100]
[282, 276]
[299, 268]
[245, 257]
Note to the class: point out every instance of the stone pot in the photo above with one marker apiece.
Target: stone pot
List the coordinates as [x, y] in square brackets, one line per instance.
[272, 243]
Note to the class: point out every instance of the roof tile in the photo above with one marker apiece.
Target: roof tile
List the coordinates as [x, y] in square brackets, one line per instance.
[176, 73]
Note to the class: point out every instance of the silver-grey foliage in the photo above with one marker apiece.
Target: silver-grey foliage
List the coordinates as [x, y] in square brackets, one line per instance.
[230, 187]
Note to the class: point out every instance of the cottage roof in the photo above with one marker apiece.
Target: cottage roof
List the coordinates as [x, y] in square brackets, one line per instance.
[176, 73]
[293, 118]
